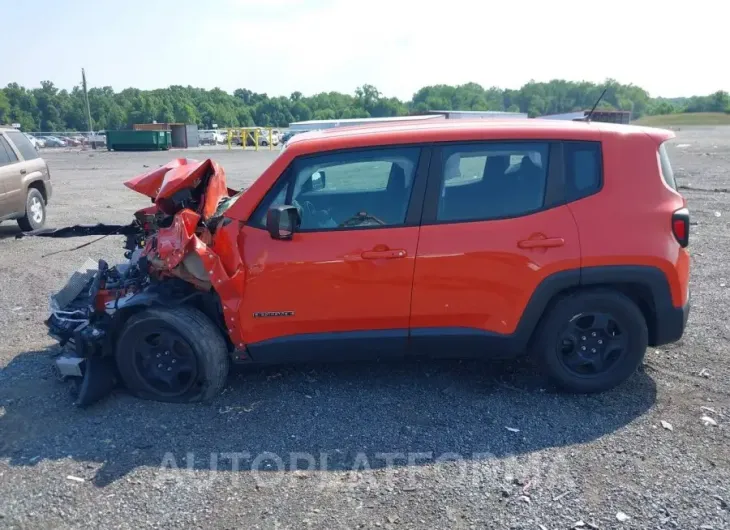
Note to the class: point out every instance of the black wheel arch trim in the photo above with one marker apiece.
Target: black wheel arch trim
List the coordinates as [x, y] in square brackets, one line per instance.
[156, 296]
[666, 322]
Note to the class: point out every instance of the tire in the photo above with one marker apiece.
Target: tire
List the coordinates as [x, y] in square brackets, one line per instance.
[578, 353]
[153, 340]
[35, 211]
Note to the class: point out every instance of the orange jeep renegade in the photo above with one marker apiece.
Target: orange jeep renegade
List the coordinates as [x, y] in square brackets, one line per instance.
[453, 238]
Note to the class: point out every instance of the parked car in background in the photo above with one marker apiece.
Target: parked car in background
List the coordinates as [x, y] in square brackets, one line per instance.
[97, 139]
[70, 141]
[41, 140]
[288, 136]
[266, 137]
[211, 137]
[53, 141]
[33, 140]
[25, 182]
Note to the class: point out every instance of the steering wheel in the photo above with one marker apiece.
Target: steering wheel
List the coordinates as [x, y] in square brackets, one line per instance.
[321, 217]
[359, 217]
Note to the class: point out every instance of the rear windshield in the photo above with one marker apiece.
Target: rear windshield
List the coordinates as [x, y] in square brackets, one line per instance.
[666, 167]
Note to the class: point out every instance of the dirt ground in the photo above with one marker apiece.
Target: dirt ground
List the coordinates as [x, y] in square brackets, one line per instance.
[429, 444]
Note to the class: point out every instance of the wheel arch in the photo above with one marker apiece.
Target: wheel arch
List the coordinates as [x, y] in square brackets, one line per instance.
[207, 303]
[39, 185]
[646, 286]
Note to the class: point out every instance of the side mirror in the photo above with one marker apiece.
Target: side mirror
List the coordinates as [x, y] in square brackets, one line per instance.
[282, 221]
[319, 181]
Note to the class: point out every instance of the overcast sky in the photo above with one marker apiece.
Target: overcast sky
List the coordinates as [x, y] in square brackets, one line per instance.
[279, 46]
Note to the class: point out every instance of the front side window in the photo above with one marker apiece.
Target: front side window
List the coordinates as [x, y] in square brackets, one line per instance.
[7, 155]
[492, 180]
[354, 189]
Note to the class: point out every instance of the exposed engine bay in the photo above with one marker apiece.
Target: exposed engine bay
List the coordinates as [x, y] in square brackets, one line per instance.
[180, 250]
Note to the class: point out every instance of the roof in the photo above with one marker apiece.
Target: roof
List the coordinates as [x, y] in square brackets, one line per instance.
[409, 132]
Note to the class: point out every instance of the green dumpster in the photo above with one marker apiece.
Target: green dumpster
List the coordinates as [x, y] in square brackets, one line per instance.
[138, 140]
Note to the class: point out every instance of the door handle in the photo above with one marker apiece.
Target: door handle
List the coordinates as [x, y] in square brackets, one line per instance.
[23, 171]
[548, 242]
[384, 254]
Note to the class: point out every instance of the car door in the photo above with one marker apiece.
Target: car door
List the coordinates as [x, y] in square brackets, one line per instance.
[495, 228]
[9, 177]
[341, 286]
[30, 167]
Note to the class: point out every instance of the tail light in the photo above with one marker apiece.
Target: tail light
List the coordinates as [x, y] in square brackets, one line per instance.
[680, 226]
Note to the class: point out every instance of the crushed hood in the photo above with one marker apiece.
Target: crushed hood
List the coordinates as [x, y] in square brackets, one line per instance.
[163, 183]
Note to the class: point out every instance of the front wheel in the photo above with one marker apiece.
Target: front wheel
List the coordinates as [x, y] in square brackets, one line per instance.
[172, 354]
[591, 341]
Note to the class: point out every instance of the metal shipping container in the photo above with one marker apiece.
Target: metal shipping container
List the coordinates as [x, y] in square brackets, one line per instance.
[138, 140]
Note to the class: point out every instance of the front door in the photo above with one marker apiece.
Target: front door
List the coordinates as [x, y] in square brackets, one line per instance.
[341, 287]
[493, 230]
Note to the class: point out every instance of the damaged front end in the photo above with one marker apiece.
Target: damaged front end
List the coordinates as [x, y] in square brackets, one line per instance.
[180, 250]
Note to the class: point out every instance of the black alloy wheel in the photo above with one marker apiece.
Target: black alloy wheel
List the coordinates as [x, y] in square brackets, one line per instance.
[165, 362]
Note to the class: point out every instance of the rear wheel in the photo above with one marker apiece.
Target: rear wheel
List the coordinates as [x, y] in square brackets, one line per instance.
[172, 354]
[591, 341]
[35, 211]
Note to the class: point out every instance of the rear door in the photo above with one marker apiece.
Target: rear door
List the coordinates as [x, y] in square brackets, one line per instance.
[341, 287]
[494, 228]
[9, 176]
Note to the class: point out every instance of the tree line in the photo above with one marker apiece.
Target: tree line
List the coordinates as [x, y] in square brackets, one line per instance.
[48, 108]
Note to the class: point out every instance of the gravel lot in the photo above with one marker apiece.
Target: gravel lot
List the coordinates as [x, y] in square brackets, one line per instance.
[473, 445]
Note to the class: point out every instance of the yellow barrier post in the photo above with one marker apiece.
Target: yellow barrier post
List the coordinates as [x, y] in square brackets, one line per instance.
[271, 138]
[256, 139]
[229, 133]
[242, 133]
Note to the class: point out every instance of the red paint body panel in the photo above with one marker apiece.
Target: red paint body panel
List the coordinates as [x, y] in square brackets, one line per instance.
[323, 278]
[630, 221]
[179, 174]
[475, 275]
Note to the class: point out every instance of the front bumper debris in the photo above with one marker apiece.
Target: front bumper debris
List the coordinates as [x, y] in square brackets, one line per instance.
[180, 248]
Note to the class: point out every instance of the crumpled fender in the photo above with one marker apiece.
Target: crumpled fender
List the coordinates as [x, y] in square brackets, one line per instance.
[179, 174]
[221, 261]
[207, 257]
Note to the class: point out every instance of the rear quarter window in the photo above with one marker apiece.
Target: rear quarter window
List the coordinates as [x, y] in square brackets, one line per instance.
[583, 169]
[26, 148]
[666, 167]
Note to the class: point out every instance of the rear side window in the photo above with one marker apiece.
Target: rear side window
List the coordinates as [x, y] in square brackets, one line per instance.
[583, 168]
[7, 155]
[23, 144]
[492, 180]
[666, 167]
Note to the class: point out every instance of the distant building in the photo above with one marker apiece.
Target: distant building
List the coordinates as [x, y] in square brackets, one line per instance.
[609, 116]
[477, 114]
[312, 125]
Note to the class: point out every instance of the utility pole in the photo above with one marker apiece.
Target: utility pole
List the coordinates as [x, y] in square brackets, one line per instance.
[86, 97]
